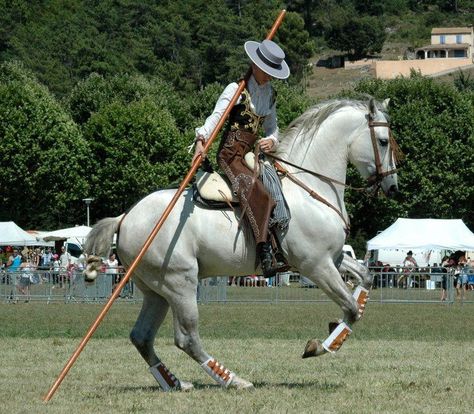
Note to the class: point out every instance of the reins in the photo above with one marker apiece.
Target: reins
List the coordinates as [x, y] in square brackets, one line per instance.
[314, 173]
[312, 194]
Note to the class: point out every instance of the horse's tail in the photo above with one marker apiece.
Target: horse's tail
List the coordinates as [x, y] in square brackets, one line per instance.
[98, 244]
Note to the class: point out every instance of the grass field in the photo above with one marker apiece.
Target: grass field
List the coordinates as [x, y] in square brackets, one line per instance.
[400, 359]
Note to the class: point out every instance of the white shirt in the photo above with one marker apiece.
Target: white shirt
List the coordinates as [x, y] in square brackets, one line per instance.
[260, 96]
[112, 266]
[65, 260]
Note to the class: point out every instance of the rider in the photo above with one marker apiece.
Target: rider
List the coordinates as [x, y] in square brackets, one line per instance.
[255, 108]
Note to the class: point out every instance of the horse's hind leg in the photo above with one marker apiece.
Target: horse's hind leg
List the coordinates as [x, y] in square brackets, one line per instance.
[185, 317]
[152, 314]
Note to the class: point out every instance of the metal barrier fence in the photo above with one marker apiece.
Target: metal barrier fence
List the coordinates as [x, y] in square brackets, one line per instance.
[48, 286]
[388, 287]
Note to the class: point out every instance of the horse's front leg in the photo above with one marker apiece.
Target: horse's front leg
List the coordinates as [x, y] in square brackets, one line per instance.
[182, 298]
[331, 282]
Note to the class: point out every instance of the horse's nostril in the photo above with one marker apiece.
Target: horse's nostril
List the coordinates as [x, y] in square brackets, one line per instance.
[392, 191]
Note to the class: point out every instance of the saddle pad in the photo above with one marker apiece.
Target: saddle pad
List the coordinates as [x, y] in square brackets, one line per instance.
[212, 186]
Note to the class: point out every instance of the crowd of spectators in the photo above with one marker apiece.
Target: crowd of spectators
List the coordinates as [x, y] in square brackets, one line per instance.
[37, 265]
[26, 266]
[410, 274]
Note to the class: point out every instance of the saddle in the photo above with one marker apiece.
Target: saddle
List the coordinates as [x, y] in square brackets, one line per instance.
[213, 190]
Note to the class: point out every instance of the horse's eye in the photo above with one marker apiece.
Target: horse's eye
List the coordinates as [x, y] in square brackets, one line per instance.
[383, 142]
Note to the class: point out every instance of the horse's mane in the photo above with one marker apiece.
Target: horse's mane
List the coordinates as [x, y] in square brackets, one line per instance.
[312, 119]
[309, 122]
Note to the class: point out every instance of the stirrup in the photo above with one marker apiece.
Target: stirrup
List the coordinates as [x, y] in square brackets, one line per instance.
[270, 263]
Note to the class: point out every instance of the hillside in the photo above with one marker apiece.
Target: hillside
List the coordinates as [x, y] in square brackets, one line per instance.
[324, 83]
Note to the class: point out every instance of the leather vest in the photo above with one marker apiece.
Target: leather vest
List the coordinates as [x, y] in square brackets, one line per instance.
[242, 117]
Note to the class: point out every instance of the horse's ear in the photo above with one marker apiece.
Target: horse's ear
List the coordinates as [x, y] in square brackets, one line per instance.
[385, 104]
[372, 107]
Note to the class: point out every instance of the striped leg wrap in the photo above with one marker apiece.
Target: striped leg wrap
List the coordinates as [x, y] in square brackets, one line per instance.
[218, 372]
[361, 295]
[334, 341]
[164, 377]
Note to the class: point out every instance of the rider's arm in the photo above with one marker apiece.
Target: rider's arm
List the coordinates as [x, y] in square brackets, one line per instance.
[211, 122]
[270, 127]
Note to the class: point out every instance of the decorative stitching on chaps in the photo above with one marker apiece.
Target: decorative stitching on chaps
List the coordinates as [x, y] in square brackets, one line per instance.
[257, 204]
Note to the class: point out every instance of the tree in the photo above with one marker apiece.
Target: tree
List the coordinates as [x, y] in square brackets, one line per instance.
[448, 5]
[297, 44]
[96, 91]
[306, 9]
[292, 102]
[43, 155]
[61, 45]
[371, 7]
[136, 149]
[357, 36]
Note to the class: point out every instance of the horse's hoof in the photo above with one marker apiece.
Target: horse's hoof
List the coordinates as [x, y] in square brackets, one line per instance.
[185, 386]
[240, 384]
[313, 348]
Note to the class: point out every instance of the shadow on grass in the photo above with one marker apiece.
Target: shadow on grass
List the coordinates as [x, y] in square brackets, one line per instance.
[157, 388]
[314, 385]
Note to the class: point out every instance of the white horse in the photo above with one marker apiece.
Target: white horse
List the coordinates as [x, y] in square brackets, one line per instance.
[196, 243]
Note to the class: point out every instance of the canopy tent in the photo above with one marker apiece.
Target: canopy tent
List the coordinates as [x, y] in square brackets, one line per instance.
[434, 234]
[77, 233]
[38, 234]
[12, 235]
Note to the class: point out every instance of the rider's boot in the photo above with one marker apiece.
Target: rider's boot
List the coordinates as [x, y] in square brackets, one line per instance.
[269, 267]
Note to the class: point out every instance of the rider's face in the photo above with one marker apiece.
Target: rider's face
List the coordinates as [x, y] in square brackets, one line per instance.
[260, 76]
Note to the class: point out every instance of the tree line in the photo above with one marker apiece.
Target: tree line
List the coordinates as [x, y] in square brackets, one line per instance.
[191, 43]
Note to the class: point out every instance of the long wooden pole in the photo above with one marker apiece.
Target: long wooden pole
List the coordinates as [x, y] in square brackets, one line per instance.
[159, 224]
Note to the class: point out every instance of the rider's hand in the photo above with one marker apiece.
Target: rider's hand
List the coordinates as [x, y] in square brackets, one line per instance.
[198, 151]
[266, 144]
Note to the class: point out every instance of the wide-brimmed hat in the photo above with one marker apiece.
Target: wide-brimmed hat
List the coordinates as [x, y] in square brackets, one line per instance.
[269, 57]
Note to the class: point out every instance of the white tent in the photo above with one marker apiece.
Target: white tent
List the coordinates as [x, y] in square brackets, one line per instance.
[77, 234]
[38, 234]
[434, 234]
[12, 235]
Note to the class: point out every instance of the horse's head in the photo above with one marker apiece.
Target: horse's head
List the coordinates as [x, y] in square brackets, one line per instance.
[374, 151]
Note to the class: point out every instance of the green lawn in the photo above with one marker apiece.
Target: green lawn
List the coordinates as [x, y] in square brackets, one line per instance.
[400, 358]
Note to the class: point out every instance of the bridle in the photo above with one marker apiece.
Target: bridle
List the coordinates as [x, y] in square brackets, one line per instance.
[373, 180]
[395, 152]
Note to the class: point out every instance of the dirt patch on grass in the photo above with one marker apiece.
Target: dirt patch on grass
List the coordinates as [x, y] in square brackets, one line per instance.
[324, 83]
